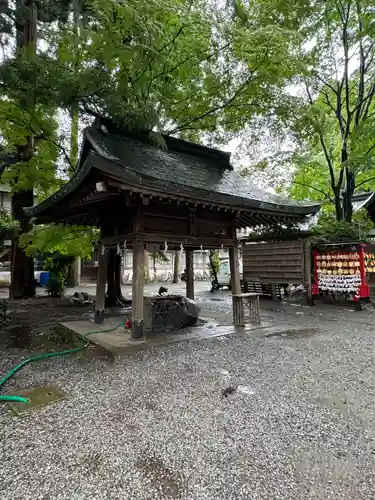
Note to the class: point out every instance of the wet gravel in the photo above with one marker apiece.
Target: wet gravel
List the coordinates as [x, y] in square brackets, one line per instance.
[299, 424]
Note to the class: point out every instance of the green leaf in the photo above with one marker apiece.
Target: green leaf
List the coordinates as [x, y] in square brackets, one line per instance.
[58, 240]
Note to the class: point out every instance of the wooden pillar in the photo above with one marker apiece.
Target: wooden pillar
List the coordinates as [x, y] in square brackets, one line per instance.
[190, 274]
[234, 260]
[101, 279]
[137, 289]
[234, 276]
[307, 265]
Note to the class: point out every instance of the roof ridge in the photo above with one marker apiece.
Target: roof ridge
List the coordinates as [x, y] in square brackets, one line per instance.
[172, 143]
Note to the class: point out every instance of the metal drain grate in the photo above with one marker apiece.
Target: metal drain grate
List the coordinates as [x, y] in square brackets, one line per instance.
[38, 397]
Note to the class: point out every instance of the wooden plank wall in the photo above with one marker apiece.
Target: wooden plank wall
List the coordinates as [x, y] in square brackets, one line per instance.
[274, 262]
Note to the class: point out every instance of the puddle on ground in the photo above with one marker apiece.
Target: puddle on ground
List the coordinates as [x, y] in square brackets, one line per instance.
[246, 389]
[160, 477]
[46, 339]
[297, 333]
[225, 373]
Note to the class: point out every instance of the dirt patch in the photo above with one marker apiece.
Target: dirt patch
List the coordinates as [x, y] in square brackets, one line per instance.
[91, 463]
[44, 310]
[295, 333]
[160, 477]
[43, 338]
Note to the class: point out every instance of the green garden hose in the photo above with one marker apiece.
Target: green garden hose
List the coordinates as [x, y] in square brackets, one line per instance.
[31, 359]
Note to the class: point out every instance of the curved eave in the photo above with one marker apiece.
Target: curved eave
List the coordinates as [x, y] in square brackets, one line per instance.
[358, 205]
[147, 184]
[67, 190]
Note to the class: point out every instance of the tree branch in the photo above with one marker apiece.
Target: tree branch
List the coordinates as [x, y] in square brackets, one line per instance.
[326, 195]
[61, 148]
[372, 44]
[37, 135]
[365, 182]
[341, 178]
[171, 70]
[345, 77]
[6, 160]
[221, 106]
[328, 102]
[369, 116]
[361, 70]
[370, 149]
[369, 99]
[324, 146]
[326, 84]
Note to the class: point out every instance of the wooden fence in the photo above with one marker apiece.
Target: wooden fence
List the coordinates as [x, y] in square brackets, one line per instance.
[269, 266]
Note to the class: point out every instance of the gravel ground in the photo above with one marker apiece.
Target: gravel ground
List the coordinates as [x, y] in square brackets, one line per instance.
[155, 425]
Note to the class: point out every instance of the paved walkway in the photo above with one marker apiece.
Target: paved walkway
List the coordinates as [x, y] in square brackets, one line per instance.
[90, 288]
[178, 288]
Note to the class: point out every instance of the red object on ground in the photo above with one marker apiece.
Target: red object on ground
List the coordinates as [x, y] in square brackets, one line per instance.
[315, 286]
[128, 324]
[364, 290]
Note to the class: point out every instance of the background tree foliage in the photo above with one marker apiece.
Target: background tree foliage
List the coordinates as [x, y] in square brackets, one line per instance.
[322, 145]
[336, 119]
[178, 67]
[57, 239]
[201, 71]
[60, 246]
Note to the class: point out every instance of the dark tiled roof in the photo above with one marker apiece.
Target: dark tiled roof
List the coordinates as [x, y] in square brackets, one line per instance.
[180, 168]
[187, 169]
[362, 200]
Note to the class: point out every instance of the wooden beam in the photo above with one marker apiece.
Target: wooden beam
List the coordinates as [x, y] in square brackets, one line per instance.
[192, 222]
[139, 220]
[137, 289]
[190, 274]
[171, 239]
[101, 279]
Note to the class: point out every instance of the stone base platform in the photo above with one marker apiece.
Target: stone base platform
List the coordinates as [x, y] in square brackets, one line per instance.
[118, 341]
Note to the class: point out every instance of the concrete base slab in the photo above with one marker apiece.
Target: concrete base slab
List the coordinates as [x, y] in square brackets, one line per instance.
[117, 340]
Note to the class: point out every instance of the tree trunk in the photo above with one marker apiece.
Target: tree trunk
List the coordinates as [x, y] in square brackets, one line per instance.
[176, 266]
[348, 196]
[74, 135]
[74, 111]
[154, 264]
[22, 267]
[212, 265]
[74, 273]
[114, 297]
[338, 207]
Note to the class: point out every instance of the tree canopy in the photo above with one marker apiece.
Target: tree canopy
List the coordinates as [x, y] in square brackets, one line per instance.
[337, 117]
[322, 146]
[298, 76]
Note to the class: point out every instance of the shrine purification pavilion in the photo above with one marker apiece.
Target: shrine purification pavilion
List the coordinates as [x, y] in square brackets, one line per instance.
[175, 194]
